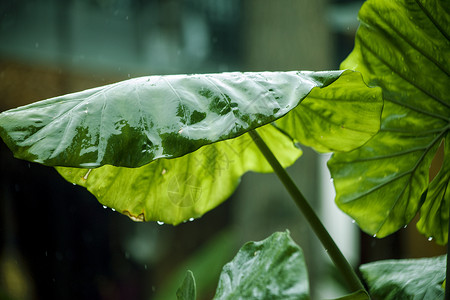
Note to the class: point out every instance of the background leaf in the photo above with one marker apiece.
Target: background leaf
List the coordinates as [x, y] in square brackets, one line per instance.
[406, 278]
[271, 269]
[403, 47]
[187, 290]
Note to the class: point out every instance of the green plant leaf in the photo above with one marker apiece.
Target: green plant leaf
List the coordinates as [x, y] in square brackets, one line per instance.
[156, 123]
[175, 190]
[270, 269]
[187, 290]
[435, 210]
[134, 122]
[359, 295]
[403, 47]
[341, 117]
[406, 278]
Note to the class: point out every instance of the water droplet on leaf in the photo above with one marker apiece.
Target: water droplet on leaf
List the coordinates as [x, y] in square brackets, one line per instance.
[160, 222]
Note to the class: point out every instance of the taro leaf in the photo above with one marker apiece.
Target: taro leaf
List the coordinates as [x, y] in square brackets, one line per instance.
[403, 47]
[270, 269]
[175, 190]
[133, 122]
[342, 125]
[406, 278]
[187, 290]
[145, 121]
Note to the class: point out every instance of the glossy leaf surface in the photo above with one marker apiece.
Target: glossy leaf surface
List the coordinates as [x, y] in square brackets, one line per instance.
[133, 122]
[341, 120]
[145, 121]
[187, 290]
[270, 269]
[406, 278]
[403, 47]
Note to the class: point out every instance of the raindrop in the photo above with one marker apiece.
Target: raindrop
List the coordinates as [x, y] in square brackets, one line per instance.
[104, 206]
[74, 183]
[331, 180]
[405, 226]
[113, 209]
[375, 235]
[164, 171]
[430, 238]
[191, 219]
[353, 221]
[160, 222]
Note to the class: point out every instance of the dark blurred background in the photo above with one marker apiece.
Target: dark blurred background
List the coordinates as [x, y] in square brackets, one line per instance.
[58, 242]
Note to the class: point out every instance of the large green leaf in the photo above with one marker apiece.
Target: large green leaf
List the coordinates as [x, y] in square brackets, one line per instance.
[133, 122]
[403, 47]
[406, 278]
[175, 190]
[270, 269]
[156, 123]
